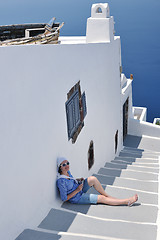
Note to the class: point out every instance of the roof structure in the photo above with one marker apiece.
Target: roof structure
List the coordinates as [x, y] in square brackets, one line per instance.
[35, 33]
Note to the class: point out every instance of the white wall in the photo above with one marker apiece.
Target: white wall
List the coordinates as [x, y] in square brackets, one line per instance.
[139, 128]
[33, 130]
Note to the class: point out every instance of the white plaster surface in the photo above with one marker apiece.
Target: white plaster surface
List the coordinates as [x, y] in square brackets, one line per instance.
[72, 40]
[99, 30]
[140, 113]
[100, 26]
[158, 217]
[105, 12]
[34, 82]
[140, 128]
[34, 85]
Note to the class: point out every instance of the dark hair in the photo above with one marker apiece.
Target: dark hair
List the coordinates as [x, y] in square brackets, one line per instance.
[59, 169]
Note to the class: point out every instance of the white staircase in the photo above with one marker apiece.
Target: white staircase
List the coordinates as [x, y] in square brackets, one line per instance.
[133, 171]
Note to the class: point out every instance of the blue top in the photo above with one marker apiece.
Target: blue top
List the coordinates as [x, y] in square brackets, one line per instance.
[66, 186]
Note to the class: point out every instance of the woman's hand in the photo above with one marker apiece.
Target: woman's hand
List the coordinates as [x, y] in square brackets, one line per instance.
[72, 194]
[79, 188]
[80, 179]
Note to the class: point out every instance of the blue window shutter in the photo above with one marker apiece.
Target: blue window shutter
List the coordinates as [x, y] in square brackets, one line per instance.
[76, 110]
[84, 106]
[70, 122]
[73, 114]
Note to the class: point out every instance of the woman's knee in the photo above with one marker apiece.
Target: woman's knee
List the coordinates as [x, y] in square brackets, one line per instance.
[91, 180]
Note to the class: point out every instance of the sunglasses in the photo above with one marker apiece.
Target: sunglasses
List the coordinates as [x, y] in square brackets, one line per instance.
[65, 164]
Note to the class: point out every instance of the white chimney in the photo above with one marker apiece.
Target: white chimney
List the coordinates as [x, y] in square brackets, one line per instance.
[100, 26]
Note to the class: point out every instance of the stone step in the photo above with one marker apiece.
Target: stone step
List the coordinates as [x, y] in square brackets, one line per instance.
[125, 153]
[153, 165]
[133, 149]
[140, 150]
[136, 214]
[110, 172]
[104, 179]
[115, 165]
[139, 175]
[120, 192]
[82, 236]
[144, 142]
[128, 174]
[135, 170]
[144, 197]
[139, 185]
[32, 234]
[128, 183]
[143, 168]
[129, 154]
[119, 166]
[140, 160]
[60, 220]
[140, 155]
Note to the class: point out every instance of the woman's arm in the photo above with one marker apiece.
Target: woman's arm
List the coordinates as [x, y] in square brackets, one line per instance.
[72, 194]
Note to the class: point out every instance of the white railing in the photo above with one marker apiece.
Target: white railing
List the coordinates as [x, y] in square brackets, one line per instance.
[139, 113]
[123, 80]
[139, 128]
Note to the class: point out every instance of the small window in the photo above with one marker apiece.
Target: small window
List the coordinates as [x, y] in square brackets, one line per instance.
[99, 10]
[76, 111]
[90, 155]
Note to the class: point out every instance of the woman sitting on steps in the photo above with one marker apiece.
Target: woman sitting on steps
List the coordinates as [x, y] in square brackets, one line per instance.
[74, 190]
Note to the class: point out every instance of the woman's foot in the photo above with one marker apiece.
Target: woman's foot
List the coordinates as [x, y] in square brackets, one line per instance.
[132, 200]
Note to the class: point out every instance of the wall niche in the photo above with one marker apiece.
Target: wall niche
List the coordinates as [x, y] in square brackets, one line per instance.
[90, 155]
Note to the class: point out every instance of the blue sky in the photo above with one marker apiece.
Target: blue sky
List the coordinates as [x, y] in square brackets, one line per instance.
[137, 22]
[127, 13]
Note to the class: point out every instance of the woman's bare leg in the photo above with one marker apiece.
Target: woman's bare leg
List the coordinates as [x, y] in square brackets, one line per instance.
[105, 198]
[116, 202]
[93, 181]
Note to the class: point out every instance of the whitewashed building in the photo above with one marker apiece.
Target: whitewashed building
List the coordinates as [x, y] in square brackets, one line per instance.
[40, 122]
